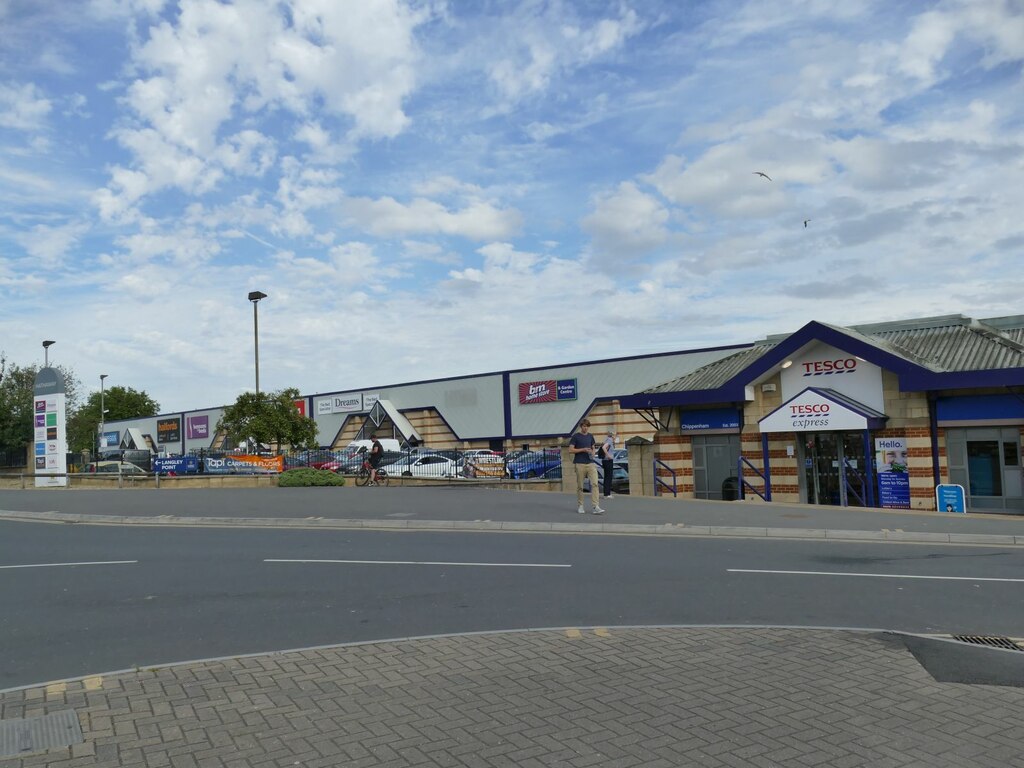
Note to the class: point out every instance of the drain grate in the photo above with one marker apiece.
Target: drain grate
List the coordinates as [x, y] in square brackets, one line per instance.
[33, 734]
[991, 642]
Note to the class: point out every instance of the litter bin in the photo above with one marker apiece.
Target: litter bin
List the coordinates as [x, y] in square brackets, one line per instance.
[730, 489]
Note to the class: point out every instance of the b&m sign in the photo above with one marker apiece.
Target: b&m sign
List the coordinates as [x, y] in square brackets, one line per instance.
[547, 391]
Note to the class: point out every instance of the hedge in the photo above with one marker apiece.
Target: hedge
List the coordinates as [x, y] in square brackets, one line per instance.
[307, 476]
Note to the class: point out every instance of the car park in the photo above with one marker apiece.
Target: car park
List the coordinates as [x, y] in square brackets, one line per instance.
[483, 463]
[620, 479]
[430, 465]
[113, 468]
[531, 464]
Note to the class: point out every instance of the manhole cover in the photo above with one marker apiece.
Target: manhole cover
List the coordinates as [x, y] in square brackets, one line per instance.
[32, 734]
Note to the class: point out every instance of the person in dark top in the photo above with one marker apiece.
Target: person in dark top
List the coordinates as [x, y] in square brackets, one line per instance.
[606, 453]
[581, 446]
[376, 454]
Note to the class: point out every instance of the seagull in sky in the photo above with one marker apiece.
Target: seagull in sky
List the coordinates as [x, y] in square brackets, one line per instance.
[762, 173]
[805, 223]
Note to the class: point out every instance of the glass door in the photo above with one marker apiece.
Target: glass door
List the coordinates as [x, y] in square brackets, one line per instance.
[834, 469]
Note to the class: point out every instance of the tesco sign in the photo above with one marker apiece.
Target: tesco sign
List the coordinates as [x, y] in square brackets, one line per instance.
[824, 366]
[815, 409]
[830, 367]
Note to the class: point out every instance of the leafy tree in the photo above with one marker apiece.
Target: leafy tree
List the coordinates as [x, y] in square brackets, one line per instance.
[120, 402]
[268, 418]
[16, 395]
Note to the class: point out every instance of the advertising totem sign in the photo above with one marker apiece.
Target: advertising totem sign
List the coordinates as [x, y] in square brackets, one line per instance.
[50, 435]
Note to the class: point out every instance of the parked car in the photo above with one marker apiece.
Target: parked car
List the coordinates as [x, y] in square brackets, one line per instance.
[427, 465]
[113, 468]
[349, 462]
[555, 473]
[620, 479]
[532, 464]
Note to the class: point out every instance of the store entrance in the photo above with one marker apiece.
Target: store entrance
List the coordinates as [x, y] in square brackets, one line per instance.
[834, 468]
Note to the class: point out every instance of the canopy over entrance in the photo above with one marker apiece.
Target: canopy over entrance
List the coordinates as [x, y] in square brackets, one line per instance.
[821, 410]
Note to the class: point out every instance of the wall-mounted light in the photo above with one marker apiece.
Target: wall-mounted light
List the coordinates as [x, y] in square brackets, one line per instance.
[787, 364]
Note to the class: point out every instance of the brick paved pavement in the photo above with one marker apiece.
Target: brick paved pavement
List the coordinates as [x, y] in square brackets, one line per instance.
[616, 697]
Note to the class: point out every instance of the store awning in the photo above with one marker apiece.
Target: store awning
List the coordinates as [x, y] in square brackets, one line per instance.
[817, 409]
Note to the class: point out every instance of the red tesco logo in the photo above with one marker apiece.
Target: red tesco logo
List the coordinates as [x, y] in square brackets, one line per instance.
[825, 367]
[817, 409]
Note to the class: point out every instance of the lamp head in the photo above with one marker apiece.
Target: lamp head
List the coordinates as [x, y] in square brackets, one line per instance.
[47, 344]
[255, 296]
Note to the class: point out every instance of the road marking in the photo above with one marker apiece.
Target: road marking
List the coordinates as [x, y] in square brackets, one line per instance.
[875, 575]
[425, 562]
[61, 565]
[575, 634]
[602, 632]
[94, 683]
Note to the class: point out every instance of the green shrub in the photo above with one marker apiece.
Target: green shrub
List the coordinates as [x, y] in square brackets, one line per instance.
[307, 476]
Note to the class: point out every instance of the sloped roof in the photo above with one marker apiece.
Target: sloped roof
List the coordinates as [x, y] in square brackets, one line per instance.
[945, 344]
[715, 374]
[952, 343]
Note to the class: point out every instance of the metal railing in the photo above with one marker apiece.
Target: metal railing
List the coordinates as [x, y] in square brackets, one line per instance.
[659, 483]
[744, 485]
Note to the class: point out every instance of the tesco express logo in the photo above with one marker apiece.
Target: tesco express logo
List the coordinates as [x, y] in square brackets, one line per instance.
[815, 409]
[830, 367]
[809, 415]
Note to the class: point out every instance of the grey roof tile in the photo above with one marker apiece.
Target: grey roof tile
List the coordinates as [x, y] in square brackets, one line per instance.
[949, 343]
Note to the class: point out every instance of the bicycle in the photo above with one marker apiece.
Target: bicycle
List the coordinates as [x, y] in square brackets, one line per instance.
[363, 475]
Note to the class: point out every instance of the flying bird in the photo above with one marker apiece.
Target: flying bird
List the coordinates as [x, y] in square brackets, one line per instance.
[805, 223]
[762, 173]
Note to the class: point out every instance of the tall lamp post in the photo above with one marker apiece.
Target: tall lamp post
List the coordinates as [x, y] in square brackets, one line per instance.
[102, 442]
[46, 352]
[254, 297]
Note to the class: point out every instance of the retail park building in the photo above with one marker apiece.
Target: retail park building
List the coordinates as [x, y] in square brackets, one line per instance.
[875, 415]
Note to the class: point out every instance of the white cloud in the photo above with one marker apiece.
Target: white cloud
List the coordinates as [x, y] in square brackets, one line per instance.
[540, 45]
[23, 107]
[387, 217]
[49, 245]
[625, 223]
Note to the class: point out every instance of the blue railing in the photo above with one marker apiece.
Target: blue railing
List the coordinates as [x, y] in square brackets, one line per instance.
[849, 468]
[659, 483]
[744, 485]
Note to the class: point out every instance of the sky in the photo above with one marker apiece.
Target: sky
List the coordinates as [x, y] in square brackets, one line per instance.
[426, 189]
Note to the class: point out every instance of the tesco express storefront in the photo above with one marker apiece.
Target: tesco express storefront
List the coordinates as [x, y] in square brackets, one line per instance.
[830, 417]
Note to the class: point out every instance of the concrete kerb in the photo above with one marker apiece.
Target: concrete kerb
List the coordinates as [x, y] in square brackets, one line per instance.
[604, 528]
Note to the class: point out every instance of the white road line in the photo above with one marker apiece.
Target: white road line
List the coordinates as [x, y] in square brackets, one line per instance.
[874, 575]
[427, 562]
[62, 565]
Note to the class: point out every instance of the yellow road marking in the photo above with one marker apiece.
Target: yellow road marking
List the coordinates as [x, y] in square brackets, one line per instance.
[56, 689]
[602, 632]
[93, 683]
[573, 633]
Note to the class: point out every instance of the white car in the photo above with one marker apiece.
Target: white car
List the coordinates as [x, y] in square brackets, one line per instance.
[428, 465]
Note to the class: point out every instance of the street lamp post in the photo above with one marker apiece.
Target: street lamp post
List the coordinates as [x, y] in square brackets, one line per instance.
[46, 352]
[103, 417]
[254, 297]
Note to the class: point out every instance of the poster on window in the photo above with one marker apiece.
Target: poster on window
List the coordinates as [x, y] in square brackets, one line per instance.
[893, 478]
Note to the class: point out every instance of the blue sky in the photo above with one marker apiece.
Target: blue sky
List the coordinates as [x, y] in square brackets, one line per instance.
[428, 189]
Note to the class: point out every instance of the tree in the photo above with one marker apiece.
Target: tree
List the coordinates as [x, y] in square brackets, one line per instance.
[120, 402]
[268, 418]
[16, 395]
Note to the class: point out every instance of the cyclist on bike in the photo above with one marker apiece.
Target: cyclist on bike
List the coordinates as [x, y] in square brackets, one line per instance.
[376, 454]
